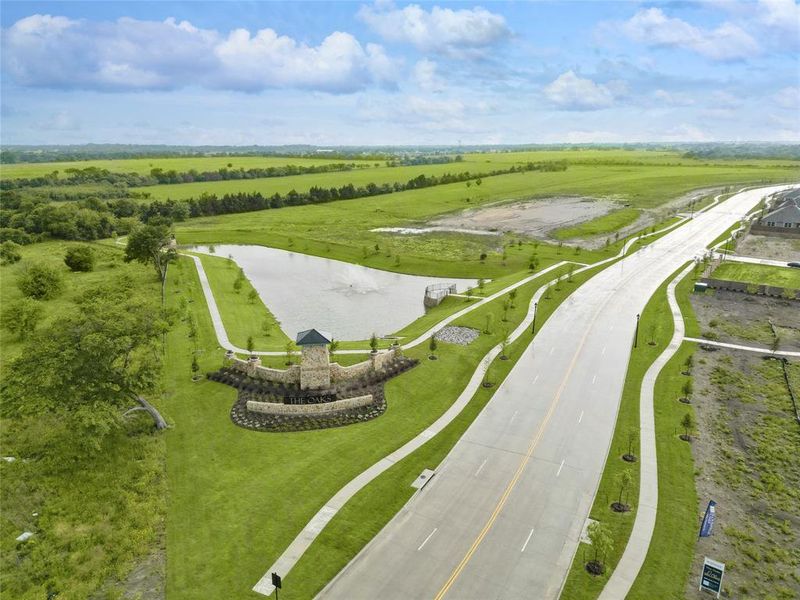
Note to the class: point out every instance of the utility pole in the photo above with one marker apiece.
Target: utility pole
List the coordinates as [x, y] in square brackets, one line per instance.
[533, 327]
[636, 335]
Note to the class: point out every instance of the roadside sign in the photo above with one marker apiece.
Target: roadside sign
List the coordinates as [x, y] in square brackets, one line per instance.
[711, 578]
[708, 519]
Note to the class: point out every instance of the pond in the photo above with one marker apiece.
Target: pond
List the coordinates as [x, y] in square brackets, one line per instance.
[349, 301]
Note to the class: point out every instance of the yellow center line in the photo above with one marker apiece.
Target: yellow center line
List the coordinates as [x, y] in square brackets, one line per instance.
[523, 463]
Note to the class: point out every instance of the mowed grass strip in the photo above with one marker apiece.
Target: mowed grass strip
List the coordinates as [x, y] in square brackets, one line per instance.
[243, 314]
[237, 497]
[785, 277]
[608, 223]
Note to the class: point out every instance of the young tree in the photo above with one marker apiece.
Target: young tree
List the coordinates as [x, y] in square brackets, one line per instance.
[570, 271]
[333, 347]
[687, 389]
[432, 346]
[373, 343]
[512, 296]
[250, 344]
[40, 281]
[489, 324]
[237, 285]
[624, 480]
[633, 438]
[152, 244]
[22, 317]
[468, 293]
[688, 424]
[92, 362]
[289, 349]
[266, 327]
[483, 256]
[481, 285]
[195, 367]
[504, 345]
[602, 543]
[10, 253]
[252, 296]
[79, 258]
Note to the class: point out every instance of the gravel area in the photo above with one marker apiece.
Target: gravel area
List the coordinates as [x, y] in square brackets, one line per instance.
[771, 247]
[457, 335]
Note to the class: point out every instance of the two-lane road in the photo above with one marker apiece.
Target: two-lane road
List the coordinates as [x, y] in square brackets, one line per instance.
[503, 515]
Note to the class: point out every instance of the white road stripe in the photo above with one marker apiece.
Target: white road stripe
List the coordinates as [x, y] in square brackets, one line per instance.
[594, 378]
[430, 535]
[528, 539]
[535, 379]
[551, 349]
[603, 352]
[514, 416]
[581, 417]
[481, 467]
[561, 466]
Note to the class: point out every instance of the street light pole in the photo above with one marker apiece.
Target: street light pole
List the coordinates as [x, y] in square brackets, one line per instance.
[533, 327]
[636, 335]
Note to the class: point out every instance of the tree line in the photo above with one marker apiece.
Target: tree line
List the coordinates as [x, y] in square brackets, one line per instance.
[157, 176]
[25, 219]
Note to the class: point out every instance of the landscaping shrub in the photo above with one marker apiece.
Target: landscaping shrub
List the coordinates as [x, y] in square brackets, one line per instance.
[80, 258]
[40, 282]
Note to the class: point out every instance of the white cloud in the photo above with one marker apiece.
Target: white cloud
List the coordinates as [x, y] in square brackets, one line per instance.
[129, 54]
[789, 98]
[458, 33]
[783, 14]
[426, 77]
[727, 42]
[672, 98]
[571, 92]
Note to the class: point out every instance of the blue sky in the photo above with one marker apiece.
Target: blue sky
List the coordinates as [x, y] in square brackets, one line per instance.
[397, 73]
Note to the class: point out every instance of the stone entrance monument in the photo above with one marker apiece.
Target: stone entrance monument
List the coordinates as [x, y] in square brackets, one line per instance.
[315, 366]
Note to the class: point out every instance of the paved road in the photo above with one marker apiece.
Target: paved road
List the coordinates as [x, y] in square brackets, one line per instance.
[504, 513]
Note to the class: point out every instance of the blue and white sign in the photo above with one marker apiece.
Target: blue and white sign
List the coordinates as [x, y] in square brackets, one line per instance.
[708, 519]
[711, 578]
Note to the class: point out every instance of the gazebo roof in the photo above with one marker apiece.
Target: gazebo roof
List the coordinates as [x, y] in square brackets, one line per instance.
[312, 336]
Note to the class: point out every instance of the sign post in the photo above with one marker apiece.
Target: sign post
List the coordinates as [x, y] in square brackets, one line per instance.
[711, 578]
[276, 581]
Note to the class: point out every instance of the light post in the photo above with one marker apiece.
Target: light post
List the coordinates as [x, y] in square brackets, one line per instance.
[636, 335]
[533, 326]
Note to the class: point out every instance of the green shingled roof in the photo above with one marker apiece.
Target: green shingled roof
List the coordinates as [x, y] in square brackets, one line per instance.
[312, 336]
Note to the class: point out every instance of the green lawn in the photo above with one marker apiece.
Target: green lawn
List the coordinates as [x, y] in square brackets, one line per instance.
[609, 223]
[759, 274]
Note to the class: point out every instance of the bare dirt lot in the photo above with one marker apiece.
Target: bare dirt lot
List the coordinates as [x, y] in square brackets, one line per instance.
[772, 247]
[747, 452]
[536, 218]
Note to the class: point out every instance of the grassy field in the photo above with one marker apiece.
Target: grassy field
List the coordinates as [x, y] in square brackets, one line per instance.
[613, 221]
[646, 186]
[143, 166]
[94, 516]
[759, 274]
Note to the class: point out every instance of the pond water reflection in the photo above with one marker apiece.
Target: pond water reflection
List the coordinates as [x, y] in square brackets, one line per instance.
[349, 301]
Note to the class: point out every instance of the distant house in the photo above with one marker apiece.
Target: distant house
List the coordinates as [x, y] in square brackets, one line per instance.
[783, 218]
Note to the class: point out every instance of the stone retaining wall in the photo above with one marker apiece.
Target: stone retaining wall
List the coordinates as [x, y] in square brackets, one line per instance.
[275, 408]
[376, 362]
[254, 369]
[739, 286]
